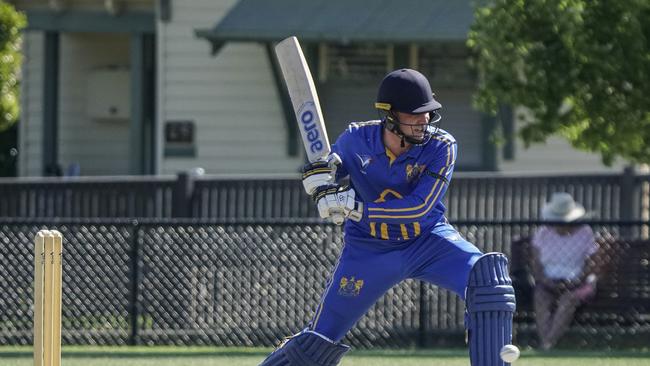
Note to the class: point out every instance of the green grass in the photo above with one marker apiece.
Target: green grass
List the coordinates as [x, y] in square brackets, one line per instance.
[204, 356]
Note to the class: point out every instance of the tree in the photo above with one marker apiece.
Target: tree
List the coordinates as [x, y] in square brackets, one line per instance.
[11, 23]
[581, 67]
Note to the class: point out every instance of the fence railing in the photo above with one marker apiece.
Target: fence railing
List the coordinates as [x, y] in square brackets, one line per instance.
[128, 196]
[251, 282]
[488, 196]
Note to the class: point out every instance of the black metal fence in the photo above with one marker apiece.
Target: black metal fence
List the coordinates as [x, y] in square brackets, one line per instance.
[480, 196]
[247, 282]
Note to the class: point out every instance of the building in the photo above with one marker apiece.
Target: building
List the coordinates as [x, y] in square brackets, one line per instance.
[114, 87]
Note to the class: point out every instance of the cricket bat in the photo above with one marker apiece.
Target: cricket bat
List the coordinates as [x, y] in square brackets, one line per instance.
[304, 99]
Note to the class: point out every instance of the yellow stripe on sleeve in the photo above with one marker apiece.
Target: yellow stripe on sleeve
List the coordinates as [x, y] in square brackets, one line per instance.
[414, 216]
[416, 228]
[405, 233]
[373, 229]
[384, 231]
[426, 200]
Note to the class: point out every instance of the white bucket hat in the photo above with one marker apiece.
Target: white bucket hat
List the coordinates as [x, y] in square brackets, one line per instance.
[562, 207]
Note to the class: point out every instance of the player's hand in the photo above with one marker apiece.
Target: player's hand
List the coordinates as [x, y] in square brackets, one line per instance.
[336, 201]
[320, 173]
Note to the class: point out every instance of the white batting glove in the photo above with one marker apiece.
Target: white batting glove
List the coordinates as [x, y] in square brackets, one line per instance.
[334, 201]
[320, 173]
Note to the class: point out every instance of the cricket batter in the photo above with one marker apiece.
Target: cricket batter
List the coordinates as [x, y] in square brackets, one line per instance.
[399, 169]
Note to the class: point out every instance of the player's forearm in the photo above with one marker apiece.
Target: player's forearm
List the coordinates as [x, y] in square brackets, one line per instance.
[400, 210]
[406, 210]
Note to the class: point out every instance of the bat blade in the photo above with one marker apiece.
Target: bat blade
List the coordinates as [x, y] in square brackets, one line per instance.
[304, 98]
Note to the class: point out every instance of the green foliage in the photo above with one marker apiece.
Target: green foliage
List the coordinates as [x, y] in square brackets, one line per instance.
[11, 23]
[582, 68]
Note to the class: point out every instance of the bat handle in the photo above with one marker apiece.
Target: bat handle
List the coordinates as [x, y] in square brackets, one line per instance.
[337, 218]
[333, 161]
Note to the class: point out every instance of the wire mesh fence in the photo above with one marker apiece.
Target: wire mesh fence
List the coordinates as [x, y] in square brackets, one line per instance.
[250, 283]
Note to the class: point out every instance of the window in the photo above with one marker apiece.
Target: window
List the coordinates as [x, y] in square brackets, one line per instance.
[357, 62]
[446, 66]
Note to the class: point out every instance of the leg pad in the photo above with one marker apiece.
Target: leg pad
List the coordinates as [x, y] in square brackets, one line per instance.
[490, 306]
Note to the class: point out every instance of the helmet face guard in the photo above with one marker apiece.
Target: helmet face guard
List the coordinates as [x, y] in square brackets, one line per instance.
[408, 131]
[408, 91]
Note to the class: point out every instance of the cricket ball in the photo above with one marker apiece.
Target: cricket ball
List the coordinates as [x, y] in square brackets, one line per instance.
[509, 353]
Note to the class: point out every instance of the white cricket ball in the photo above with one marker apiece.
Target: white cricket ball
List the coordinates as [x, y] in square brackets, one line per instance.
[509, 353]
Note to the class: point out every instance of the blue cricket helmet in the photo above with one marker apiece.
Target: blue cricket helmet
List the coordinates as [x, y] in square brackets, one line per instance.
[407, 91]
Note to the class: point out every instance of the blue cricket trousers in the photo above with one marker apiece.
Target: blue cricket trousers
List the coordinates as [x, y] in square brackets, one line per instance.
[365, 272]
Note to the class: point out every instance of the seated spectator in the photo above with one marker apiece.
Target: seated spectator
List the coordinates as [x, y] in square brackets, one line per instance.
[562, 266]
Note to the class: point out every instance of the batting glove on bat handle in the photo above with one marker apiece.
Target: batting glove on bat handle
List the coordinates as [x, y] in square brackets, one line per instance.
[337, 218]
[320, 173]
[334, 201]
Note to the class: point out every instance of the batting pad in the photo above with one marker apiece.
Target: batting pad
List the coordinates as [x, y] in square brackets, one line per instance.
[490, 305]
[307, 349]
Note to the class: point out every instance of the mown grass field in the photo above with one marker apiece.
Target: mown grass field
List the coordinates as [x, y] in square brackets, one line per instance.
[204, 356]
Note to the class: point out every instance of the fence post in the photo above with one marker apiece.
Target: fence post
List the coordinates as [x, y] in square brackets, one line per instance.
[182, 196]
[423, 316]
[644, 188]
[134, 310]
[628, 192]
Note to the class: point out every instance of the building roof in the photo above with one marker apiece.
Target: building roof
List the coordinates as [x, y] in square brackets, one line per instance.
[344, 21]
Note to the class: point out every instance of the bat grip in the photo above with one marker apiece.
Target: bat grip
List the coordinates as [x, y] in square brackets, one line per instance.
[333, 161]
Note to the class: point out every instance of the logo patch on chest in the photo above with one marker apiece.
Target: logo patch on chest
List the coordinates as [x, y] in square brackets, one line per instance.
[364, 160]
[414, 171]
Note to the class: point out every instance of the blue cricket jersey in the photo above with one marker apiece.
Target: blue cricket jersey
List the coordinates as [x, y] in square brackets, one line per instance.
[403, 233]
[402, 195]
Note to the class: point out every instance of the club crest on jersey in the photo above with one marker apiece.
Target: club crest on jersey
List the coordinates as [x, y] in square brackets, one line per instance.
[350, 287]
[307, 115]
[414, 171]
[365, 160]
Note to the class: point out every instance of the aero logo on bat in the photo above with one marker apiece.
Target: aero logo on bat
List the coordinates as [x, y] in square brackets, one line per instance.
[310, 130]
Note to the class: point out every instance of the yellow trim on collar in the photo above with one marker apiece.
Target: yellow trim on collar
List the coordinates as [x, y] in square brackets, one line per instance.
[391, 156]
